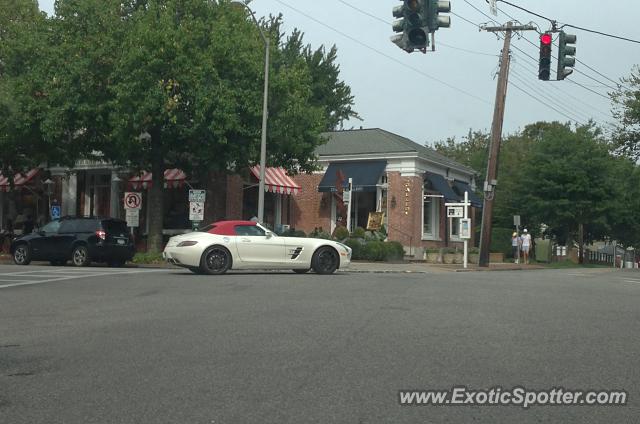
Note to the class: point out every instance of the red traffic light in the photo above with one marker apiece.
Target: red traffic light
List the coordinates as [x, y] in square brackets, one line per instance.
[546, 39]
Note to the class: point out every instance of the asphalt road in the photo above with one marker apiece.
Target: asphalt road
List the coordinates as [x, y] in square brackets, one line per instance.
[100, 345]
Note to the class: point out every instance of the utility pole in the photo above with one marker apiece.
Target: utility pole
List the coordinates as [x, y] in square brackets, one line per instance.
[496, 137]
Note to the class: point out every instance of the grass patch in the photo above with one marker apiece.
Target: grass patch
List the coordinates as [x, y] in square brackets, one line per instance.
[147, 258]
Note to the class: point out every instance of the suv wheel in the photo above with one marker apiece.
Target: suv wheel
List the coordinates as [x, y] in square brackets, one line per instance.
[22, 254]
[80, 256]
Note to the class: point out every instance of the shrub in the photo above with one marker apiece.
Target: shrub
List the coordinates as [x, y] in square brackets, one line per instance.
[449, 250]
[474, 250]
[374, 251]
[393, 251]
[341, 233]
[359, 232]
[357, 247]
[292, 232]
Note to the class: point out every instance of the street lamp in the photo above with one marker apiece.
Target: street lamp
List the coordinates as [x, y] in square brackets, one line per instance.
[265, 112]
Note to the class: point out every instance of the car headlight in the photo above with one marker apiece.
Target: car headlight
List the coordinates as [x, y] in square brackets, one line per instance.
[187, 243]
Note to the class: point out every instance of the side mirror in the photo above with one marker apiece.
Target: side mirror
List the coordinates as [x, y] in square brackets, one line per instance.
[268, 234]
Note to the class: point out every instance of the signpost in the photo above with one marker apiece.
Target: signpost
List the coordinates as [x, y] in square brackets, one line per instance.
[196, 207]
[132, 206]
[55, 212]
[465, 222]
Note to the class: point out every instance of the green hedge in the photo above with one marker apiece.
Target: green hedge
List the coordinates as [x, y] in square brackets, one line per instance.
[375, 250]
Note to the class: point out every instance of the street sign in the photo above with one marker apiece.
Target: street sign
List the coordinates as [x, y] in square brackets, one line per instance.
[455, 212]
[132, 200]
[196, 211]
[465, 228]
[516, 220]
[197, 196]
[133, 217]
[55, 212]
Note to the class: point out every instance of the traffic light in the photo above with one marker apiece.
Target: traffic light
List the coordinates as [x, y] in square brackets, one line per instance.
[434, 20]
[544, 67]
[412, 25]
[566, 55]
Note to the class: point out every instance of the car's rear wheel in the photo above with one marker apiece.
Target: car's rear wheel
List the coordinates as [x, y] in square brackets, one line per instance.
[325, 260]
[215, 261]
[58, 263]
[301, 271]
[80, 256]
[22, 254]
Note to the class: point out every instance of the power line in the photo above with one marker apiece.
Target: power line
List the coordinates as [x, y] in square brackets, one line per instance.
[588, 89]
[355, 40]
[364, 12]
[542, 102]
[570, 25]
[548, 97]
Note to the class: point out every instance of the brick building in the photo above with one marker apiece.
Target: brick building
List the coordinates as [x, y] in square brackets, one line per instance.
[408, 182]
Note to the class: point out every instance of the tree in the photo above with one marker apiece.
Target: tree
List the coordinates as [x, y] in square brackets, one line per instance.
[567, 181]
[158, 84]
[626, 109]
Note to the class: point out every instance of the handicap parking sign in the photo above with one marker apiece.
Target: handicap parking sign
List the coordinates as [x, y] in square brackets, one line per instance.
[55, 212]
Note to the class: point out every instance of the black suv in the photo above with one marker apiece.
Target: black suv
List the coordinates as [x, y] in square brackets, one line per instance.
[80, 240]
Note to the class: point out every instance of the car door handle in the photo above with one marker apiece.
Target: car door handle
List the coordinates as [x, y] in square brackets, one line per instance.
[245, 240]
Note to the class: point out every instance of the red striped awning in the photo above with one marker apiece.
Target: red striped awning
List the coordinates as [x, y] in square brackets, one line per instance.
[18, 180]
[173, 178]
[276, 180]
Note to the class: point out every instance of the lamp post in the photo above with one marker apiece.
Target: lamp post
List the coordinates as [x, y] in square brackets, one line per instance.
[265, 113]
[49, 191]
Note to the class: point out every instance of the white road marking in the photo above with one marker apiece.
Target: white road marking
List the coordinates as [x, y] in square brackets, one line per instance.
[59, 276]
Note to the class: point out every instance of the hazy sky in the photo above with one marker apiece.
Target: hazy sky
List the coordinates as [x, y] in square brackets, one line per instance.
[429, 97]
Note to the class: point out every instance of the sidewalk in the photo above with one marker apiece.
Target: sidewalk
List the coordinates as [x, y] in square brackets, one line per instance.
[423, 267]
[377, 267]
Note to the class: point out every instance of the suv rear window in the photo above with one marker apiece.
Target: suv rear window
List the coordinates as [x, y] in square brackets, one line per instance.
[113, 227]
[78, 226]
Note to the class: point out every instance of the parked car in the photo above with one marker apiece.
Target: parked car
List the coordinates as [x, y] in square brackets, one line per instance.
[228, 245]
[81, 240]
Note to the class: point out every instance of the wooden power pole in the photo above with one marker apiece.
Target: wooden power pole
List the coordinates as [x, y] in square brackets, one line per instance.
[496, 137]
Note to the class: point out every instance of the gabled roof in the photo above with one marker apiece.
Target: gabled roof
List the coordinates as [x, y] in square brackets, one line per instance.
[378, 141]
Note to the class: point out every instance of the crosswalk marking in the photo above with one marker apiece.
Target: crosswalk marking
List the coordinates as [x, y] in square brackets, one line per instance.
[27, 278]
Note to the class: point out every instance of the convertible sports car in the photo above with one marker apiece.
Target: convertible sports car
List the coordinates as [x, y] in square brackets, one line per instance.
[228, 245]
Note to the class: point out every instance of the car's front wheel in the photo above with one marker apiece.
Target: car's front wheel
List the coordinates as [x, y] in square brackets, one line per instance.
[215, 261]
[80, 256]
[22, 254]
[325, 260]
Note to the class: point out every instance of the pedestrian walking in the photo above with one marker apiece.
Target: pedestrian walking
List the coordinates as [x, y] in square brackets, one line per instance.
[515, 246]
[526, 245]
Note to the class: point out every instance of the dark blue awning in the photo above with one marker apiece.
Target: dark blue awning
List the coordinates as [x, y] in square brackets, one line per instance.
[461, 186]
[365, 175]
[439, 184]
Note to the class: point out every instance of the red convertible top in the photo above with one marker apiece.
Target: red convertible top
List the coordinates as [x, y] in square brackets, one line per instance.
[227, 228]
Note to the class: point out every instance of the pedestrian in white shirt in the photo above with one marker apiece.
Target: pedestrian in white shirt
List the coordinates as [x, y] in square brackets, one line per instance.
[526, 245]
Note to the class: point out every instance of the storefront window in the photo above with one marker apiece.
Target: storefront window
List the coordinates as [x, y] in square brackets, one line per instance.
[430, 216]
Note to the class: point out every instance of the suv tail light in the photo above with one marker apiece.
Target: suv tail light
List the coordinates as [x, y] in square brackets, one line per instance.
[101, 234]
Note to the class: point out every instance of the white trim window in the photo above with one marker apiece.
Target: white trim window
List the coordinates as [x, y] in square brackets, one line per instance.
[430, 217]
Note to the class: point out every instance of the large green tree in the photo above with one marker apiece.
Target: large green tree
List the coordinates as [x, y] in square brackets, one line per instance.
[626, 101]
[157, 84]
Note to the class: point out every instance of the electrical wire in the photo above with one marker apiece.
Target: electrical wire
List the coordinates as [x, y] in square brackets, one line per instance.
[355, 40]
[511, 83]
[569, 25]
[364, 12]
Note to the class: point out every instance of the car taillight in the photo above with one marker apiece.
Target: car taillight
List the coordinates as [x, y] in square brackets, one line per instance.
[101, 234]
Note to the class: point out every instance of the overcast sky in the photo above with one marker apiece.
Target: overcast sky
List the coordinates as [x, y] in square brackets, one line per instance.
[429, 97]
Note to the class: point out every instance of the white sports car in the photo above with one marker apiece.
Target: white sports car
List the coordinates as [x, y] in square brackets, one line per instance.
[228, 245]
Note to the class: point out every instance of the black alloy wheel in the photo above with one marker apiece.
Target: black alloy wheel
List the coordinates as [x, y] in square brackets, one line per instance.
[215, 261]
[325, 260]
